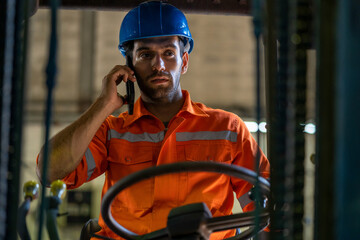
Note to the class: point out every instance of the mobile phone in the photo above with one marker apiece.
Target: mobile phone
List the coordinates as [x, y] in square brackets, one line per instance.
[130, 89]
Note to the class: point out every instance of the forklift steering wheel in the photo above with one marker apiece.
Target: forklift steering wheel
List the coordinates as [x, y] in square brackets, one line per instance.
[211, 224]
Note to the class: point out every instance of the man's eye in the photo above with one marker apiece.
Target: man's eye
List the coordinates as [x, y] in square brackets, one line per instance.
[144, 55]
[169, 53]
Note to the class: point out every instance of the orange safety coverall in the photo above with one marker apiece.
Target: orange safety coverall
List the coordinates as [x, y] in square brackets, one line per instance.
[129, 143]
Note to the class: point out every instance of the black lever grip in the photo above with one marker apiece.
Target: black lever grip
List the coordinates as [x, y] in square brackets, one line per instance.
[130, 90]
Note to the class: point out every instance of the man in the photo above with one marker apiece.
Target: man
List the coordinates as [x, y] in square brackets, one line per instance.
[166, 127]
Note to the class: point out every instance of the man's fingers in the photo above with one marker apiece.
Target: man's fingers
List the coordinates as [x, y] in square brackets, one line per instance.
[121, 73]
[120, 78]
[123, 98]
[133, 77]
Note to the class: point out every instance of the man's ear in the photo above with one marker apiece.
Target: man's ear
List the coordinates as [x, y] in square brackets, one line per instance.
[185, 62]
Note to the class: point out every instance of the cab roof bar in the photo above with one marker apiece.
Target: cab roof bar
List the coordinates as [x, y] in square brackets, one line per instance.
[228, 7]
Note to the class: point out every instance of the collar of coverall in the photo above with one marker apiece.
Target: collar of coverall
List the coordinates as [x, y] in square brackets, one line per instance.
[140, 110]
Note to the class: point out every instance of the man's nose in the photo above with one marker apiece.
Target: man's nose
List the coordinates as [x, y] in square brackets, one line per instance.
[158, 63]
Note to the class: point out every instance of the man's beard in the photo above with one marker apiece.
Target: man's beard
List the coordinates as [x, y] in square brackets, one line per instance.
[158, 92]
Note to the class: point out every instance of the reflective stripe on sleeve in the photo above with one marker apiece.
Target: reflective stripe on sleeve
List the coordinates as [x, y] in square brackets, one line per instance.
[206, 135]
[142, 137]
[90, 163]
[244, 200]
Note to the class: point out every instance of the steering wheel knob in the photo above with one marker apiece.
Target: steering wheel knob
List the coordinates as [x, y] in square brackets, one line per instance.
[57, 189]
[31, 190]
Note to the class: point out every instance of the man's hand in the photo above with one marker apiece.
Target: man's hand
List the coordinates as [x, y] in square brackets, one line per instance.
[109, 92]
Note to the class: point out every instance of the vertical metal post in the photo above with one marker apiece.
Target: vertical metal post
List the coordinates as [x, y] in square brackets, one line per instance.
[347, 164]
[7, 30]
[300, 37]
[16, 119]
[324, 228]
[275, 98]
[278, 118]
[257, 8]
[51, 72]
[290, 128]
[12, 67]
[288, 118]
[270, 71]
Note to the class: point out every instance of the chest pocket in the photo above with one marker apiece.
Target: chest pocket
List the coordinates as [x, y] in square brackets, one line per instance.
[125, 159]
[134, 157]
[218, 152]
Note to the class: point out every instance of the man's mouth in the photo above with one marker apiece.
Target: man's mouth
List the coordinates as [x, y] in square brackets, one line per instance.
[159, 79]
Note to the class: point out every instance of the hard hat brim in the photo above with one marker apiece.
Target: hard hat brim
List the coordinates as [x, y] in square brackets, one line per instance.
[190, 41]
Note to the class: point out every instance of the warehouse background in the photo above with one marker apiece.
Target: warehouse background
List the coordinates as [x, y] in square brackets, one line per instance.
[221, 75]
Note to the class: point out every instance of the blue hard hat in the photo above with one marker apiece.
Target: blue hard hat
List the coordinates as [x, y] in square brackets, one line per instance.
[154, 19]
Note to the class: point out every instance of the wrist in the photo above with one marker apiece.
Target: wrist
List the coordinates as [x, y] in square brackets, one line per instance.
[105, 105]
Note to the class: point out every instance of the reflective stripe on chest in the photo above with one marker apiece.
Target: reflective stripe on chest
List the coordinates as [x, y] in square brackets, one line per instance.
[180, 136]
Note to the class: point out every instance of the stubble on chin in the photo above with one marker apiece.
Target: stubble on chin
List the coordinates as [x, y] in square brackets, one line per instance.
[160, 92]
